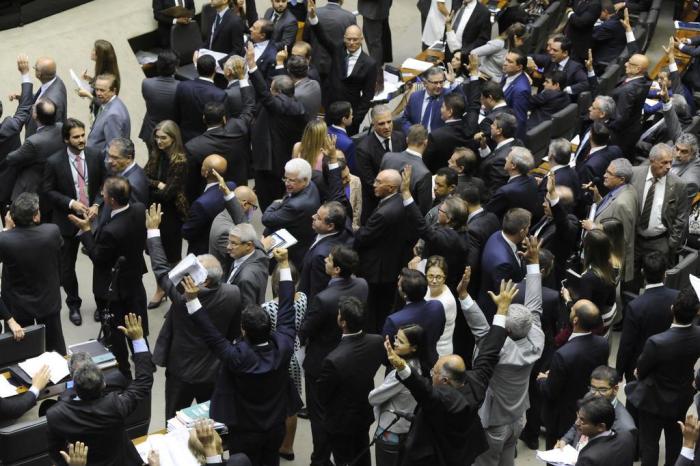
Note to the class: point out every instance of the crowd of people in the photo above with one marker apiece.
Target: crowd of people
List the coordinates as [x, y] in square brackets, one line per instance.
[487, 282]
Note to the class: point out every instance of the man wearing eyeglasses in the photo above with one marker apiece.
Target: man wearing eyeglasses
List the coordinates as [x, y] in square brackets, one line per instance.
[424, 106]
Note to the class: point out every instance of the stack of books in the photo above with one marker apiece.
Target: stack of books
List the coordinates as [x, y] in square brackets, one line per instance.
[97, 351]
[185, 418]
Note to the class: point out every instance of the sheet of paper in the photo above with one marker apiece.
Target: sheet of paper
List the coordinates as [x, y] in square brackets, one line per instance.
[215, 55]
[6, 388]
[695, 283]
[79, 82]
[418, 65]
[559, 456]
[188, 266]
[57, 364]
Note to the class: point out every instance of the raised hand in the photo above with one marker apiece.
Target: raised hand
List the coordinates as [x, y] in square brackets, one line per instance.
[190, 287]
[473, 65]
[394, 359]
[626, 21]
[208, 437]
[532, 250]
[281, 255]
[77, 454]
[589, 61]
[153, 215]
[281, 56]
[23, 64]
[504, 297]
[690, 430]
[663, 93]
[311, 9]
[463, 284]
[222, 183]
[406, 181]
[250, 56]
[132, 327]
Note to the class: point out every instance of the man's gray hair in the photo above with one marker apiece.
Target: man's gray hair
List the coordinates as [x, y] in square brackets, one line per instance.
[301, 167]
[521, 157]
[659, 149]
[606, 104]
[518, 321]
[78, 360]
[379, 110]
[432, 71]
[124, 146]
[213, 267]
[89, 381]
[623, 169]
[245, 232]
[688, 139]
[559, 151]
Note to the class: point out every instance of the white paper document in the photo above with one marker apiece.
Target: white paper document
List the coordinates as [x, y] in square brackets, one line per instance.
[215, 55]
[57, 364]
[6, 388]
[171, 447]
[566, 456]
[191, 266]
[79, 82]
[281, 239]
[418, 65]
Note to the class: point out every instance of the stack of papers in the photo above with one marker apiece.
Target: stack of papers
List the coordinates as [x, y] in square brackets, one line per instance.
[566, 456]
[6, 388]
[191, 266]
[417, 65]
[57, 364]
[171, 447]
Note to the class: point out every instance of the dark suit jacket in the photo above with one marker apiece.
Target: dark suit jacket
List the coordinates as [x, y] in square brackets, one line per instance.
[202, 212]
[594, 166]
[645, 316]
[139, 184]
[240, 102]
[579, 27]
[608, 41]
[159, 95]
[190, 99]
[16, 406]
[421, 178]
[165, 22]
[618, 449]
[285, 32]
[30, 158]
[345, 144]
[477, 31]
[480, 228]
[691, 78]
[520, 191]
[100, 423]
[517, 96]
[559, 234]
[545, 104]
[346, 378]
[569, 376]
[320, 329]
[576, 76]
[56, 92]
[228, 37]
[59, 188]
[447, 429]
[266, 62]
[334, 20]
[442, 143]
[313, 278]
[31, 258]
[492, 170]
[498, 262]
[12, 125]
[428, 314]
[414, 109]
[252, 390]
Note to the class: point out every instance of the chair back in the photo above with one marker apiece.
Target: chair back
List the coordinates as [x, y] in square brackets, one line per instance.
[565, 122]
[537, 140]
[184, 40]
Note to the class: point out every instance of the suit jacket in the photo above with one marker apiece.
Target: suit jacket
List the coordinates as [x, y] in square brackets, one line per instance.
[313, 278]
[559, 234]
[60, 189]
[477, 31]
[689, 173]
[447, 429]
[15, 406]
[412, 113]
[112, 121]
[190, 99]
[565, 176]
[252, 390]
[320, 329]
[12, 125]
[674, 214]
[374, 10]
[334, 20]
[56, 92]
[480, 228]
[100, 423]
[421, 178]
[608, 41]
[579, 27]
[569, 376]
[159, 95]
[285, 32]
[623, 206]
[520, 191]
[381, 242]
[165, 22]
[240, 102]
[545, 104]
[498, 262]
[691, 78]
[228, 37]
[251, 278]
[202, 212]
[517, 96]
[266, 62]
[576, 76]
[617, 448]
[29, 160]
[442, 143]
[346, 378]
[345, 144]
[665, 370]
[31, 258]
[428, 314]
[492, 170]
[594, 165]
[139, 184]
[308, 93]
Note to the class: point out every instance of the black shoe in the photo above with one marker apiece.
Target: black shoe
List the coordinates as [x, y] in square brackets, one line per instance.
[303, 413]
[531, 443]
[96, 315]
[287, 456]
[155, 304]
[75, 317]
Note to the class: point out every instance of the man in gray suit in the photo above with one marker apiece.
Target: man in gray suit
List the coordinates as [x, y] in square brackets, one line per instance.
[663, 207]
[375, 27]
[306, 90]
[52, 88]
[686, 163]
[112, 119]
[621, 204]
[247, 203]
[250, 264]
[159, 94]
[503, 411]
[421, 178]
[120, 161]
[333, 20]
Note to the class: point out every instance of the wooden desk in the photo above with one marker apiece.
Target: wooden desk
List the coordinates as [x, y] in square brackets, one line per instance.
[682, 59]
[432, 56]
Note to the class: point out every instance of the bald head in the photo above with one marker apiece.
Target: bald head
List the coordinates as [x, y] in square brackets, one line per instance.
[45, 69]
[450, 370]
[216, 163]
[386, 183]
[636, 65]
[352, 38]
[585, 316]
[247, 198]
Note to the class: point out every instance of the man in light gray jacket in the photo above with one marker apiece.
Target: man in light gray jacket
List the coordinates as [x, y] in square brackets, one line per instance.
[503, 411]
[112, 119]
[686, 163]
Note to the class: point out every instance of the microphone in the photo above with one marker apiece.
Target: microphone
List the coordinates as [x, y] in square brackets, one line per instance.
[403, 414]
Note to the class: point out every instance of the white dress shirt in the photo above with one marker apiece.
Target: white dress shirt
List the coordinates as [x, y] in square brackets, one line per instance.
[352, 59]
[656, 226]
[454, 37]
[259, 48]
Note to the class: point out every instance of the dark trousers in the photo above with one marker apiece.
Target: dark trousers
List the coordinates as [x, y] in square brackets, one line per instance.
[69, 280]
[171, 233]
[347, 446]
[180, 394]
[54, 331]
[380, 300]
[136, 303]
[321, 454]
[262, 448]
[650, 427]
[387, 454]
[268, 187]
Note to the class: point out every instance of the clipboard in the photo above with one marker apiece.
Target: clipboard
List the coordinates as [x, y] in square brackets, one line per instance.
[178, 12]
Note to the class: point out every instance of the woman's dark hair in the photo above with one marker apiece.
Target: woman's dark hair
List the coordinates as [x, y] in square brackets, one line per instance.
[416, 337]
[276, 279]
[597, 250]
[106, 61]
[616, 234]
[513, 31]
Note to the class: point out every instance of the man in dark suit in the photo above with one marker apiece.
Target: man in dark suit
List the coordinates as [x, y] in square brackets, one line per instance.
[120, 162]
[306, 90]
[51, 88]
[608, 39]
[499, 259]
[549, 100]
[222, 29]
[15, 406]
[31, 255]
[481, 224]
[279, 125]
[97, 418]
[321, 334]
[284, 22]
[191, 367]
[345, 380]
[592, 163]
[118, 242]
[516, 88]
[12, 125]
[664, 390]
[250, 264]
[494, 103]
[559, 155]
[447, 428]
[491, 169]
[381, 243]
[443, 141]
[569, 372]
[602, 110]
[112, 120]
[520, 190]
[470, 27]
[192, 96]
[645, 316]
[375, 27]
[558, 59]
[265, 50]
[72, 183]
[353, 73]
[464, 161]
[423, 107]
[334, 20]
[166, 22]
[252, 393]
[371, 149]
[582, 16]
[240, 96]
[421, 178]
[207, 206]
[159, 95]
[339, 117]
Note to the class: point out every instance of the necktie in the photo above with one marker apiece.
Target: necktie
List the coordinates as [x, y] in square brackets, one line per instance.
[648, 202]
[217, 21]
[275, 17]
[386, 145]
[234, 269]
[603, 203]
[425, 121]
[458, 17]
[82, 192]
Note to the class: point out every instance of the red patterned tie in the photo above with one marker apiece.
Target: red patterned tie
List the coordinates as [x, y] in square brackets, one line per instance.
[82, 191]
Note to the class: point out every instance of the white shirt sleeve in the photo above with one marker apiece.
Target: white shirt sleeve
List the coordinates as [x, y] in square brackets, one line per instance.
[194, 305]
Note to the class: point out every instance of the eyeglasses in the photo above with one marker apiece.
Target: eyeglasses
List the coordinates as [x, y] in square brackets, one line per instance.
[599, 390]
[251, 205]
[291, 180]
[435, 278]
[440, 83]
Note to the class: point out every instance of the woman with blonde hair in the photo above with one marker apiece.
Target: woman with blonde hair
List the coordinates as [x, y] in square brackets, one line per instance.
[313, 145]
[105, 63]
[166, 171]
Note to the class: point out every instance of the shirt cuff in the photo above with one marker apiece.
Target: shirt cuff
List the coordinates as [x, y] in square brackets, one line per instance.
[152, 233]
[569, 15]
[252, 70]
[404, 373]
[499, 320]
[672, 67]
[407, 202]
[473, 78]
[533, 268]
[230, 196]
[667, 106]
[333, 166]
[688, 453]
[467, 302]
[313, 21]
[629, 36]
[214, 459]
[553, 202]
[70, 204]
[285, 275]
[485, 152]
[174, 20]
[279, 67]
[194, 305]
[591, 74]
[140, 345]
[36, 391]
[26, 78]
[568, 90]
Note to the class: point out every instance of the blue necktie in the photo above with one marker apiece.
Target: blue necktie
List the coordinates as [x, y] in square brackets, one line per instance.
[217, 21]
[428, 111]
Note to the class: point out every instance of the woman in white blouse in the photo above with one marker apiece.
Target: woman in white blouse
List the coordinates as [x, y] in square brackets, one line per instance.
[435, 23]
[436, 273]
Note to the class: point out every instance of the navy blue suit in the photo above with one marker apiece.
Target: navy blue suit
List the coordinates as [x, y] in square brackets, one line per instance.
[345, 144]
[576, 76]
[594, 166]
[313, 278]
[520, 191]
[200, 217]
[428, 314]
[564, 176]
[414, 109]
[190, 98]
[608, 42]
[498, 262]
[518, 98]
[266, 62]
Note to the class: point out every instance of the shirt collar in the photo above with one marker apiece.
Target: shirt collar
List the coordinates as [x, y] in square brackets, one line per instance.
[76, 156]
[563, 63]
[339, 128]
[222, 12]
[557, 167]
[578, 334]
[319, 237]
[241, 260]
[209, 185]
[414, 153]
[123, 173]
[504, 142]
[381, 139]
[596, 149]
[388, 197]
[653, 285]
[47, 84]
[651, 177]
[512, 245]
[675, 325]
[351, 334]
[262, 44]
[477, 211]
[202, 78]
[355, 54]
[119, 210]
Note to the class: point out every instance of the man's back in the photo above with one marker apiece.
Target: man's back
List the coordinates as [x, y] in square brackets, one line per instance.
[618, 448]
[190, 98]
[428, 314]
[334, 20]
[421, 178]
[159, 95]
[30, 158]
[112, 121]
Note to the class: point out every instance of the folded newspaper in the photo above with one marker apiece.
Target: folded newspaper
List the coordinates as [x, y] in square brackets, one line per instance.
[191, 266]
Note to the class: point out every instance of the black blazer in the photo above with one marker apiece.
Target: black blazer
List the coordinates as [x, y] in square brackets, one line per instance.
[285, 32]
[559, 234]
[576, 76]
[12, 125]
[320, 329]
[477, 31]
[579, 27]
[240, 102]
[228, 37]
[442, 143]
[200, 217]
[421, 179]
[492, 170]
[480, 228]
[593, 167]
[266, 62]
[645, 316]
[159, 95]
[16, 406]
[608, 41]
[100, 423]
[545, 104]
[190, 98]
[520, 191]
[498, 262]
[346, 378]
[313, 278]
[617, 449]
[59, 188]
